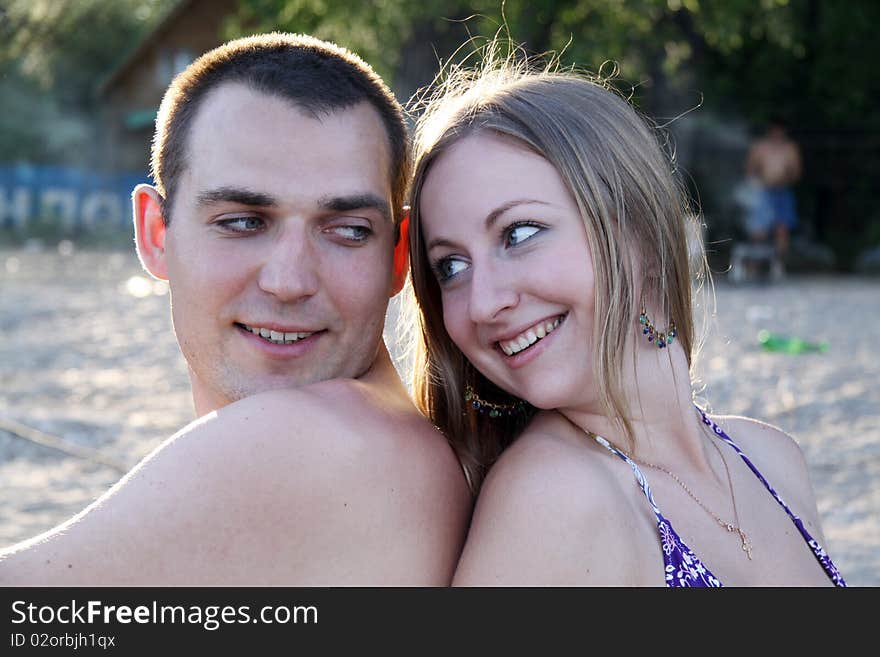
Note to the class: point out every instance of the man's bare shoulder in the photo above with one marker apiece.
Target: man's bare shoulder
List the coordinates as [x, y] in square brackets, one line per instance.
[368, 466]
[291, 486]
[346, 422]
[350, 420]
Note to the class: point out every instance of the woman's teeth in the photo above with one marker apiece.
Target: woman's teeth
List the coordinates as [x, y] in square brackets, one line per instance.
[530, 336]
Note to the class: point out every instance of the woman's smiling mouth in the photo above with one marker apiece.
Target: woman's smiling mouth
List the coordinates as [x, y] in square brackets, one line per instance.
[530, 336]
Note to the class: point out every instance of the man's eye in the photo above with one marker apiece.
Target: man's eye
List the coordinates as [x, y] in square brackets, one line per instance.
[242, 224]
[352, 233]
[519, 233]
[446, 268]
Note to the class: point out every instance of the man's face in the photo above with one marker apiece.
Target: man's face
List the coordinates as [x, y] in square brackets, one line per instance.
[279, 247]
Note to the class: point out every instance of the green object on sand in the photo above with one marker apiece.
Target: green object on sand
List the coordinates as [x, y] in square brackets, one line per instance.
[789, 344]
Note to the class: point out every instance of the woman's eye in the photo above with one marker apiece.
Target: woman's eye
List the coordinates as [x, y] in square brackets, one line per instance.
[519, 233]
[352, 233]
[242, 224]
[446, 268]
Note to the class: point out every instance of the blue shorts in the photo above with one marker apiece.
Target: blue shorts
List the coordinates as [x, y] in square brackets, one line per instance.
[780, 204]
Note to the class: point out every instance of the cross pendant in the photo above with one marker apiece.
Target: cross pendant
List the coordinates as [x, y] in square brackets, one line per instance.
[746, 545]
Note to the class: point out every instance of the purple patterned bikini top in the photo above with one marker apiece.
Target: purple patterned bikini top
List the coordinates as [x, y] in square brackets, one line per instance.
[683, 567]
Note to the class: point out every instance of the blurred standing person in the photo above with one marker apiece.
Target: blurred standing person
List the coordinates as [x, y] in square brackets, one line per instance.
[774, 160]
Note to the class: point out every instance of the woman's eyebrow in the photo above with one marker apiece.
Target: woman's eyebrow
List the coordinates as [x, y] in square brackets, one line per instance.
[491, 218]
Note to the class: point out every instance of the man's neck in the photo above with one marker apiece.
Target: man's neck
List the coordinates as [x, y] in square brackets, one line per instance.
[381, 373]
[204, 399]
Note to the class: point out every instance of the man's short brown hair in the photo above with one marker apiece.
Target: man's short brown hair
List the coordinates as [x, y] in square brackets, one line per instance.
[318, 77]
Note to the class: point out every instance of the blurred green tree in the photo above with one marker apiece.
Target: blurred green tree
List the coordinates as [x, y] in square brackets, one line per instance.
[53, 55]
[747, 57]
[740, 61]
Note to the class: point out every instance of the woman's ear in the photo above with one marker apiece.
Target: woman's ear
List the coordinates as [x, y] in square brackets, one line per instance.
[149, 230]
[401, 255]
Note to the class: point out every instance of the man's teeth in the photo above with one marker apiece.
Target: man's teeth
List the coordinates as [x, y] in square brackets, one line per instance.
[276, 336]
[529, 337]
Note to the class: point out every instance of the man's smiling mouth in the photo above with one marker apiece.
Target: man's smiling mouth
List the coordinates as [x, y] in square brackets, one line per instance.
[276, 337]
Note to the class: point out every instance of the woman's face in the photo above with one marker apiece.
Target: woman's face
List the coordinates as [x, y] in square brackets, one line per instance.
[509, 250]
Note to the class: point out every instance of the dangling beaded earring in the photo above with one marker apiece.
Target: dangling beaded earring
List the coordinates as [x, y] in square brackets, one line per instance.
[494, 410]
[662, 338]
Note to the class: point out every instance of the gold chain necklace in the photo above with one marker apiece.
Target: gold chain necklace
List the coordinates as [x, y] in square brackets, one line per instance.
[730, 527]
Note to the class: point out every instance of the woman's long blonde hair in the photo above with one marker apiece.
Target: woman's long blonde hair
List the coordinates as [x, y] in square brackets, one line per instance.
[633, 209]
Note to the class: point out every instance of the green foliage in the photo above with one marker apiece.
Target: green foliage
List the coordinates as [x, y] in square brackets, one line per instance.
[332, 20]
[26, 113]
[53, 55]
[385, 32]
[740, 60]
[68, 46]
[805, 58]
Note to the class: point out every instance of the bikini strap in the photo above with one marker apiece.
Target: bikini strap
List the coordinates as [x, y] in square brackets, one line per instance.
[818, 551]
[640, 477]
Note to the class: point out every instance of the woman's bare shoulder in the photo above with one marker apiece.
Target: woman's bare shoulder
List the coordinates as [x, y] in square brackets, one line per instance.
[762, 440]
[544, 516]
[778, 457]
[551, 456]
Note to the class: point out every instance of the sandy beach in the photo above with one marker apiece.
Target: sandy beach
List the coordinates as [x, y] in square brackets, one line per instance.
[87, 354]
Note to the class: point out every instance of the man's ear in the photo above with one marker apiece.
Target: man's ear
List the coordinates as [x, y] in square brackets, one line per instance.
[149, 230]
[401, 255]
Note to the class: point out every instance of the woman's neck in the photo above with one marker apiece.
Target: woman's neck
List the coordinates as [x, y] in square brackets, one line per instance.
[658, 403]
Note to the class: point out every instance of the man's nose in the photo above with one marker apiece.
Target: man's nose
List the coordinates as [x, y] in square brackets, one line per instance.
[290, 269]
[491, 292]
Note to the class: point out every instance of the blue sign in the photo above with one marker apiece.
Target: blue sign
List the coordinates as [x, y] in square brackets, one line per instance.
[78, 200]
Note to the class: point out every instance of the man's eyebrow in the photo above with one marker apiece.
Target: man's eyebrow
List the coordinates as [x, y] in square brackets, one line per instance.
[491, 218]
[365, 201]
[236, 195]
